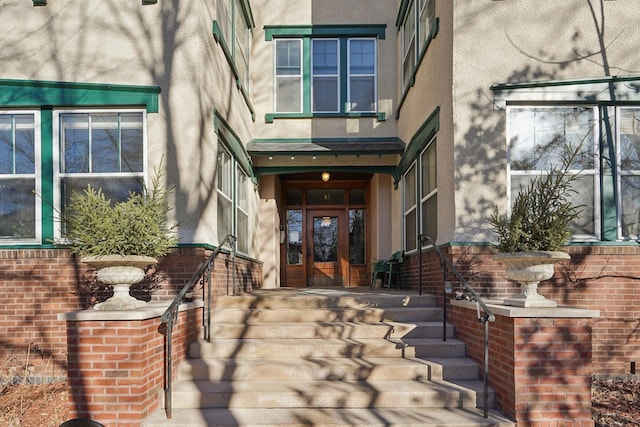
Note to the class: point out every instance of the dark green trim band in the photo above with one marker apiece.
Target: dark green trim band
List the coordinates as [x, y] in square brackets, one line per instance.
[232, 142]
[46, 170]
[39, 2]
[326, 146]
[270, 117]
[372, 30]
[419, 141]
[37, 93]
[284, 170]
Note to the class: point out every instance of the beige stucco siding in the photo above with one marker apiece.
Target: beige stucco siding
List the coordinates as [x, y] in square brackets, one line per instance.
[520, 41]
[170, 45]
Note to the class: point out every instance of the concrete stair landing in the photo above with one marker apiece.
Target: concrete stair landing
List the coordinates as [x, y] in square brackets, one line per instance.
[327, 357]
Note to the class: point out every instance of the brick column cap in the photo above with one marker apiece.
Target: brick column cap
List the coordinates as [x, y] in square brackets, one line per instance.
[500, 309]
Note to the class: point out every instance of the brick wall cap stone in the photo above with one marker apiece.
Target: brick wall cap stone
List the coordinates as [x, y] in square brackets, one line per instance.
[500, 309]
[149, 311]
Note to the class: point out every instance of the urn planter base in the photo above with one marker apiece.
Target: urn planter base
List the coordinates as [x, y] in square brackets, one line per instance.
[529, 269]
[120, 272]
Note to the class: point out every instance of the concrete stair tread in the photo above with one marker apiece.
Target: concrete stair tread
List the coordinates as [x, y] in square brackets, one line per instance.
[321, 417]
[321, 394]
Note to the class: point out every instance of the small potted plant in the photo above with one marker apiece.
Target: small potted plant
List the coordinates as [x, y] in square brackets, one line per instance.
[120, 239]
[531, 238]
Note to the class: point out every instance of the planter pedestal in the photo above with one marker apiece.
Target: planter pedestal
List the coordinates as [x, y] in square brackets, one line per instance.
[120, 272]
[529, 269]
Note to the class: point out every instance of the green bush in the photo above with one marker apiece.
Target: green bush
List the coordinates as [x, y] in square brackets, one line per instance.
[136, 226]
[542, 212]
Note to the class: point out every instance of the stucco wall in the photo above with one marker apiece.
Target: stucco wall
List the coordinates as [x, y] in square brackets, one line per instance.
[520, 41]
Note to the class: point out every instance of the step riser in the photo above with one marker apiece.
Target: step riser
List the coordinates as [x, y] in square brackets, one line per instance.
[362, 301]
[333, 399]
[305, 330]
[237, 315]
[261, 349]
[302, 373]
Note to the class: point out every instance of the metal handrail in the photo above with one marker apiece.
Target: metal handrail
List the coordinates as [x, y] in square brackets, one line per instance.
[169, 317]
[484, 318]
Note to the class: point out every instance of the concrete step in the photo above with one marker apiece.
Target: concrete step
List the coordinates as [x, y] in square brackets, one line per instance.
[427, 348]
[301, 330]
[311, 369]
[321, 394]
[323, 298]
[432, 329]
[326, 314]
[292, 347]
[323, 417]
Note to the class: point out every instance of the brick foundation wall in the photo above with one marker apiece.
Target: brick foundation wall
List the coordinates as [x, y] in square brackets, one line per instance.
[116, 367]
[604, 278]
[540, 366]
[37, 284]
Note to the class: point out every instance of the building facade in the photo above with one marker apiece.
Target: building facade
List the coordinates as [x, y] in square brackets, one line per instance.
[324, 134]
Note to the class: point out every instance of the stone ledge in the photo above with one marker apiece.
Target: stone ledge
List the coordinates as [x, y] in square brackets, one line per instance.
[499, 309]
[151, 310]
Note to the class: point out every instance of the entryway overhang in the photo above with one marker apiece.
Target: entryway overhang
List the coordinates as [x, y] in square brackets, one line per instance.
[302, 155]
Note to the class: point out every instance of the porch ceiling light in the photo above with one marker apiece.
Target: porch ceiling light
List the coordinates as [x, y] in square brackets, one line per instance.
[325, 176]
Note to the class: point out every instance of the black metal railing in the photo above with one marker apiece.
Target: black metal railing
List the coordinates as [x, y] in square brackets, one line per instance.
[170, 316]
[485, 315]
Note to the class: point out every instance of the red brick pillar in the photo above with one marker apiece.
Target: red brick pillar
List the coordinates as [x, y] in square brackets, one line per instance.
[539, 361]
[116, 361]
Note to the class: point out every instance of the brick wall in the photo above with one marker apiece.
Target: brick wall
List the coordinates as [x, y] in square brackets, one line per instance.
[540, 367]
[116, 367]
[604, 278]
[36, 285]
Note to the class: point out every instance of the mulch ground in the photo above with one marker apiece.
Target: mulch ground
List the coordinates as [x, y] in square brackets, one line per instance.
[615, 403]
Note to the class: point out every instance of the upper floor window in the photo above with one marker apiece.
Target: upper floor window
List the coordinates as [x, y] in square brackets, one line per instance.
[235, 29]
[342, 75]
[288, 75]
[104, 149]
[417, 28]
[19, 177]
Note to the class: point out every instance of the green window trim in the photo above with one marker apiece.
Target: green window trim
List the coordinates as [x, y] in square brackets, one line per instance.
[343, 33]
[308, 31]
[233, 143]
[419, 141]
[38, 93]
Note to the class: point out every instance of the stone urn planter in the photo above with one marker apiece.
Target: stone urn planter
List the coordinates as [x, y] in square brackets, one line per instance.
[529, 269]
[120, 271]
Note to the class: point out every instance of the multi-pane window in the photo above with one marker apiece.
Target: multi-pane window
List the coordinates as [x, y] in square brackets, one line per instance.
[629, 172]
[233, 200]
[325, 80]
[19, 177]
[429, 192]
[341, 76]
[242, 211]
[104, 149]
[417, 30]
[224, 171]
[409, 44]
[288, 75]
[362, 75]
[538, 141]
[410, 209]
[235, 29]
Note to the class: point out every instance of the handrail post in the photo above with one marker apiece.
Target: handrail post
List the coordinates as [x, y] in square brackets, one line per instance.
[486, 366]
[444, 302]
[420, 265]
[207, 326]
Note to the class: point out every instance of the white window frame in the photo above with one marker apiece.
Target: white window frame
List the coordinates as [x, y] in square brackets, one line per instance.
[374, 75]
[621, 173]
[409, 209]
[425, 194]
[242, 209]
[336, 75]
[288, 76]
[58, 175]
[595, 172]
[37, 176]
